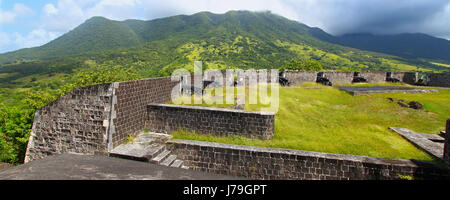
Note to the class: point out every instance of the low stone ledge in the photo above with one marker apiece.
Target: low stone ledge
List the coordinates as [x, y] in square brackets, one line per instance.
[275, 163]
[211, 109]
[433, 148]
[167, 118]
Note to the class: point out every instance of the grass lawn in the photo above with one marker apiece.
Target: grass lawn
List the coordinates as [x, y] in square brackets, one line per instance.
[333, 121]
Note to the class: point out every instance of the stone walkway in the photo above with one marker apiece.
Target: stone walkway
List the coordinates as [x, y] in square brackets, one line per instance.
[95, 167]
[431, 143]
[383, 89]
[148, 147]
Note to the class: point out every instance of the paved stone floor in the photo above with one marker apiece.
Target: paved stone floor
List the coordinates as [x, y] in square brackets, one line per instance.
[383, 89]
[5, 165]
[431, 143]
[90, 167]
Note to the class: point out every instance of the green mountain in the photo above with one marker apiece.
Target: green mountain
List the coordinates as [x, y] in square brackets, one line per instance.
[236, 39]
[95, 34]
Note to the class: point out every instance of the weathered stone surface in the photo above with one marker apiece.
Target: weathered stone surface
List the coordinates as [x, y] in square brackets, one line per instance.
[5, 165]
[298, 77]
[383, 89]
[95, 118]
[447, 143]
[76, 122]
[435, 79]
[435, 149]
[89, 167]
[415, 105]
[373, 77]
[131, 106]
[165, 118]
[439, 80]
[273, 163]
[402, 104]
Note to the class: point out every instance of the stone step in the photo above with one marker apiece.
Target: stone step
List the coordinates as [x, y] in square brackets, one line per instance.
[160, 157]
[151, 138]
[139, 152]
[169, 160]
[148, 147]
[184, 167]
[177, 163]
[153, 152]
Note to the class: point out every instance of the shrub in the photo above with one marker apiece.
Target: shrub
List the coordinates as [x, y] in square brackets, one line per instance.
[15, 125]
[302, 65]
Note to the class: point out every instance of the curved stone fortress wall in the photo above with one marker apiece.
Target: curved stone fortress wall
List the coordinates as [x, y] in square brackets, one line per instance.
[298, 77]
[275, 164]
[100, 117]
[76, 122]
[95, 118]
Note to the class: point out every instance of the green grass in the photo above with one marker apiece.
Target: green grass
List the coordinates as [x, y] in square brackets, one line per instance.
[441, 64]
[373, 84]
[129, 139]
[329, 120]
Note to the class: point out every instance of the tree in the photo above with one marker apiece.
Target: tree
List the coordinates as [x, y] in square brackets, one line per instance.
[302, 65]
[15, 125]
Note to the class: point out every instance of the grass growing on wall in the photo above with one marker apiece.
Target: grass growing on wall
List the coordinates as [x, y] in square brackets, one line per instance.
[329, 120]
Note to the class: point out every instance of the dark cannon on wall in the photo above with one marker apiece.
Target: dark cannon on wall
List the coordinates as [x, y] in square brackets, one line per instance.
[282, 80]
[423, 80]
[389, 78]
[191, 89]
[323, 80]
[206, 83]
[357, 78]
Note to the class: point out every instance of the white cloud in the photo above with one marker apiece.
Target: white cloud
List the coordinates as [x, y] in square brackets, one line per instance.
[63, 17]
[36, 37]
[118, 2]
[18, 10]
[5, 39]
[49, 9]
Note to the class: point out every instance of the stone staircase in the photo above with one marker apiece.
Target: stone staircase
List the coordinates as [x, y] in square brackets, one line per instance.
[148, 147]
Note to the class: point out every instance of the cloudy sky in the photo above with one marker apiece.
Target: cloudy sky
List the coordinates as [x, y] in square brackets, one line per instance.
[25, 23]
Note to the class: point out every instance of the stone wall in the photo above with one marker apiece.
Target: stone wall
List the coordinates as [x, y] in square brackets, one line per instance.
[243, 77]
[298, 77]
[76, 122]
[100, 117]
[373, 77]
[406, 77]
[339, 77]
[130, 106]
[271, 163]
[439, 80]
[165, 118]
[95, 118]
[447, 143]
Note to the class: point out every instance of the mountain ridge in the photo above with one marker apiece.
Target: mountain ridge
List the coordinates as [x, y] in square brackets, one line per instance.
[275, 39]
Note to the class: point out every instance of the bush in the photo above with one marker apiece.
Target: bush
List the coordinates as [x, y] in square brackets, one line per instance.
[15, 125]
[302, 65]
